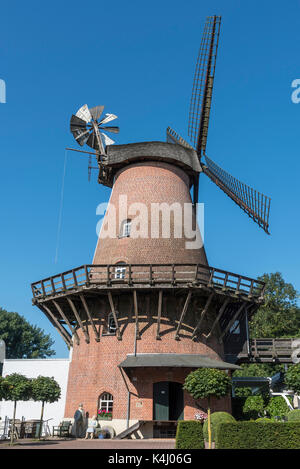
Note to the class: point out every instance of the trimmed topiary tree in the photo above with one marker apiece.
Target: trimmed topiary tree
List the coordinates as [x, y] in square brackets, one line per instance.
[277, 407]
[45, 389]
[16, 387]
[293, 415]
[292, 378]
[254, 407]
[206, 383]
[216, 419]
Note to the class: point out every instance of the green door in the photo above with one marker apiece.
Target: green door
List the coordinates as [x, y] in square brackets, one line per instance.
[167, 401]
[161, 401]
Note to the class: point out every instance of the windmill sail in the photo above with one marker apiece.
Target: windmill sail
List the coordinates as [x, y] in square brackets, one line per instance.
[255, 204]
[203, 84]
[174, 137]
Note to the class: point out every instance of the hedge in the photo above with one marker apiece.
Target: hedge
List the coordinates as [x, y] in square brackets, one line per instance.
[258, 435]
[293, 415]
[216, 419]
[189, 435]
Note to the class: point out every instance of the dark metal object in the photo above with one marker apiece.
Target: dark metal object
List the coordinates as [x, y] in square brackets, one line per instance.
[203, 84]
[255, 204]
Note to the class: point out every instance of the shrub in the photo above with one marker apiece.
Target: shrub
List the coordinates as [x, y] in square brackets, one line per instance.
[189, 435]
[258, 435]
[263, 420]
[254, 407]
[293, 415]
[277, 407]
[292, 378]
[216, 419]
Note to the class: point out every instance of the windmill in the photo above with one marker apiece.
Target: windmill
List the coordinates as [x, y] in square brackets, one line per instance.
[87, 128]
[255, 204]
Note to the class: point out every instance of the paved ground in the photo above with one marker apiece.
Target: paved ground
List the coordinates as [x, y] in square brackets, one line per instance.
[93, 444]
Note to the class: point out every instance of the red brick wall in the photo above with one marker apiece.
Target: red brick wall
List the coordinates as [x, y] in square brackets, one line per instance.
[94, 370]
[148, 183]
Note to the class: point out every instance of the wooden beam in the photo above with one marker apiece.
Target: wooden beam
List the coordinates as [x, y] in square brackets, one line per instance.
[97, 338]
[112, 307]
[230, 324]
[183, 313]
[136, 313]
[160, 296]
[62, 331]
[203, 313]
[74, 332]
[221, 311]
[78, 319]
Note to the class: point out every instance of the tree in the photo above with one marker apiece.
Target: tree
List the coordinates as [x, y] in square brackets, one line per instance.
[23, 340]
[45, 389]
[16, 387]
[280, 315]
[205, 383]
[292, 378]
[254, 407]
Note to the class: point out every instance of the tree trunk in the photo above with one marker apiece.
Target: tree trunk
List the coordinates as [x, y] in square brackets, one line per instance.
[41, 420]
[12, 428]
[209, 424]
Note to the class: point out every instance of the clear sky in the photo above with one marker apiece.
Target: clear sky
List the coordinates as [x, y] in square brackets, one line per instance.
[138, 59]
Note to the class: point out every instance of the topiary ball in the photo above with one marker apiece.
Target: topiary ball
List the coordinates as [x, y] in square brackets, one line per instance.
[263, 420]
[293, 415]
[216, 418]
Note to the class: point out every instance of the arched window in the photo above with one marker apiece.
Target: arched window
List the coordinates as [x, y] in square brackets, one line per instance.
[105, 405]
[125, 229]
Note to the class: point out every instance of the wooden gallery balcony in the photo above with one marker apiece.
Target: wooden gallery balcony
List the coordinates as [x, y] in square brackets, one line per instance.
[232, 295]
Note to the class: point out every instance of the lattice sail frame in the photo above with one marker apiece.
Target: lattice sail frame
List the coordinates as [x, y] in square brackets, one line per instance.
[203, 84]
[255, 204]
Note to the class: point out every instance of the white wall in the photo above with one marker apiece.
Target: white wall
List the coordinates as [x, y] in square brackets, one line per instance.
[58, 368]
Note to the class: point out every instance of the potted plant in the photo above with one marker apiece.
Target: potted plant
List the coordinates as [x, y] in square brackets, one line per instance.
[104, 414]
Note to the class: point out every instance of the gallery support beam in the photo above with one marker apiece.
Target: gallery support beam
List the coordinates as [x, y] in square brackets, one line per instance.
[62, 331]
[203, 313]
[64, 317]
[112, 307]
[83, 301]
[78, 319]
[216, 321]
[183, 313]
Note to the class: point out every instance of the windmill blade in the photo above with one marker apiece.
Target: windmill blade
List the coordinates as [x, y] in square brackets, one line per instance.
[114, 130]
[79, 130]
[174, 137]
[107, 140]
[96, 112]
[92, 141]
[108, 118]
[84, 113]
[255, 204]
[203, 84]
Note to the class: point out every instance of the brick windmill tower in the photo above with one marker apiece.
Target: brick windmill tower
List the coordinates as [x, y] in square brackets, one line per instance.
[150, 308]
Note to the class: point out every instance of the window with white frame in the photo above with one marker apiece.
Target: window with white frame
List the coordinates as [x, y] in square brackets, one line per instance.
[120, 270]
[106, 402]
[125, 229]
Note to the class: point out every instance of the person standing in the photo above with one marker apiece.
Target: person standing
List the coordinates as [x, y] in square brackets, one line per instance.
[79, 421]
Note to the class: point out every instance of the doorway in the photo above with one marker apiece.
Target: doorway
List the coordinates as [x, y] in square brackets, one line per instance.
[168, 401]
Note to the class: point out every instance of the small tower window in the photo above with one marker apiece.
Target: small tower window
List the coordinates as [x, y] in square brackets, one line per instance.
[111, 325]
[125, 229]
[120, 270]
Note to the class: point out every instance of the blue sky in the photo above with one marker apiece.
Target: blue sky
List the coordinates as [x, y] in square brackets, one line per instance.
[138, 59]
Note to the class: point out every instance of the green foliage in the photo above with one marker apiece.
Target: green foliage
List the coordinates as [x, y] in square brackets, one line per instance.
[207, 382]
[292, 378]
[243, 392]
[17, 388]
[23, 340]
[263, 420]
[258, 435]
[277, 407]
[216, 419]
[293, 415]
[258, 370]
[254, 407]
[189, 435]
[280, 315]
[45, 389]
